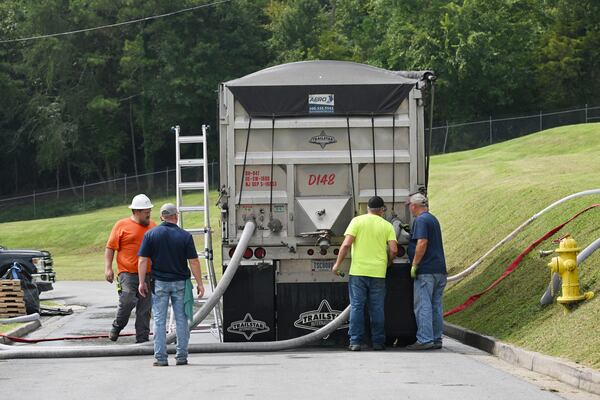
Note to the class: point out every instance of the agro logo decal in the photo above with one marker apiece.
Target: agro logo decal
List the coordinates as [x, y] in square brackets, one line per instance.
[248, 327]
[316, 319]
[322, 139]
[321, 103]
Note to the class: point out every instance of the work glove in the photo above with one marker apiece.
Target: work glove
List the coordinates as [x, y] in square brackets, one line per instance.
[413, 271]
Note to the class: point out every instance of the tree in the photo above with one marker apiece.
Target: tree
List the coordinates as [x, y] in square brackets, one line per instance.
[568, 59]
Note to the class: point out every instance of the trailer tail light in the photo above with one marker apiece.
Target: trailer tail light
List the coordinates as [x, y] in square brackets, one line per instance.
[247, 253]
[336, 251]
[260, 253]
[310, 252]
[401, 251]
[323, 252]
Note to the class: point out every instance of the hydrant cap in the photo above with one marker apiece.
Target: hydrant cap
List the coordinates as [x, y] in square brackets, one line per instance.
[568, 245]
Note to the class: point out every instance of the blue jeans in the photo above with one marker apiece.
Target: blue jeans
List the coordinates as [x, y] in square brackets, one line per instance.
[428, 293]
[175, 291]
[364, 290]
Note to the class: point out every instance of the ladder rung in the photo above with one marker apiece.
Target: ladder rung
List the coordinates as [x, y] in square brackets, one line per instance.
[192, 162]
[191, 139]
[191, 185]
[202, 254]
[192, 208]
[196, 231]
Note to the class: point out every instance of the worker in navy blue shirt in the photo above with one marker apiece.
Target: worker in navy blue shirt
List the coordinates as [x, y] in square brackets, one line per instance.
[426, 253]
[171, 249]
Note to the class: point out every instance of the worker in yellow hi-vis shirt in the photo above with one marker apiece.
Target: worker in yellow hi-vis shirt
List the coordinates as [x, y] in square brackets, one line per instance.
[373, 243]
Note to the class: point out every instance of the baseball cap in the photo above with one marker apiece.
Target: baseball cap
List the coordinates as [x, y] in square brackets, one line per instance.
[168, 209]
[419, 199]
[375, 202]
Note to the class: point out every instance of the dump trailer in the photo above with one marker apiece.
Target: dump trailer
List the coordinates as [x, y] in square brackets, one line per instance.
[303, 146]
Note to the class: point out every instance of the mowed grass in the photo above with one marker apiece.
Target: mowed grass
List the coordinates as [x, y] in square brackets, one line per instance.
[77, 242]
[480, 196]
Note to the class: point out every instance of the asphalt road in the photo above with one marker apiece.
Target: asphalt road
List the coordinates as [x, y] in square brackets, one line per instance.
[455, 372]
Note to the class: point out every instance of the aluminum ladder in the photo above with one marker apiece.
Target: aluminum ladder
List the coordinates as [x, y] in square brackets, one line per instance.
[194, 211]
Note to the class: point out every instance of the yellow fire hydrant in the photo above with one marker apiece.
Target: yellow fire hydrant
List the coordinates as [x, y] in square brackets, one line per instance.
[565, 264]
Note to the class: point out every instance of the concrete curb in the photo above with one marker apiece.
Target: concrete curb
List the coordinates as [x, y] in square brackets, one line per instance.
[583, 378]
[21, 331]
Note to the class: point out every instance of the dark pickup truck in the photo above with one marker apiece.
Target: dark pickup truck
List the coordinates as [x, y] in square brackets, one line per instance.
[39, 264]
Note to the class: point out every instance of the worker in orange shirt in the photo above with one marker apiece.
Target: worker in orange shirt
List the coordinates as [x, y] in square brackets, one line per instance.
[126, 238]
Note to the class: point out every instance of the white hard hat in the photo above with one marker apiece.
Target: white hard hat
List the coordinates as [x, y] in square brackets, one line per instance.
[140, 202]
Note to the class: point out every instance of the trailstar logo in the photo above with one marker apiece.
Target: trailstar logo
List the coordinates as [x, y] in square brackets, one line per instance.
[322, 139]
[316, 319]
[321, 103]
[248, 327]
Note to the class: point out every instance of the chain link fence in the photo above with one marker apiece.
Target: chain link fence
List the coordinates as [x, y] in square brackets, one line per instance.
[453, 137]
[448, 138]
[91, 196]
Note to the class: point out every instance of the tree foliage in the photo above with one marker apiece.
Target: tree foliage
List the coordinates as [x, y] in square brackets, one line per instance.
[79, 106]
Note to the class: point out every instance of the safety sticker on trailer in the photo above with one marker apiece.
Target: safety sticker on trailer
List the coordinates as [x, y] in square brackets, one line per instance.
[254, 179]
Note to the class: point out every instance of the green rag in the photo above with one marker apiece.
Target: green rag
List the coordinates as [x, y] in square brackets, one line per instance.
[188, 300]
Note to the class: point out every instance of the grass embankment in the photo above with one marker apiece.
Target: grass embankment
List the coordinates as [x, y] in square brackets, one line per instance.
[479, 196]
[8, 327]
[482, 195]
[77, 242]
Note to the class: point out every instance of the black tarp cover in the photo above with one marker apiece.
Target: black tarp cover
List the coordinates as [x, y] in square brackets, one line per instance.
[321, 88]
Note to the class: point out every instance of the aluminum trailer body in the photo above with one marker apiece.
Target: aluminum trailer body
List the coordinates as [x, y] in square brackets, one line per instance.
[303, 146]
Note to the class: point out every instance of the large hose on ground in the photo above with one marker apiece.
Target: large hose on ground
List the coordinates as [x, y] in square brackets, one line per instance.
[225, 279]
[511, 235]
[585, 253]
[132, 350]
[9, 352]
[21, 319]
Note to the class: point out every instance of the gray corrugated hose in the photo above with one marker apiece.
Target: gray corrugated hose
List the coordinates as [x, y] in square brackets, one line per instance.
[511, 235]
[21, 319]
[225, 279]
[585, 253]
[10, 352]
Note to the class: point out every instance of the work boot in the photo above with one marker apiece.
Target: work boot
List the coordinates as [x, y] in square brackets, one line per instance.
[114, 333]
[157, 363]
[354, 347]
[420, 346]
[181, 362]
[141, 340]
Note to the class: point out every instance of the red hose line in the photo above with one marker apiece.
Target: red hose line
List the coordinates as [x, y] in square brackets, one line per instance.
[22, 340]
[515, 264]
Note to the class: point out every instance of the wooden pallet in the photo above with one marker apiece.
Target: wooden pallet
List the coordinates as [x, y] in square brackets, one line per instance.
[16, 291]
[7, 312]
[9, 285]
[12, 307]
[11, 298]
[10, 282]
[11, 314]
